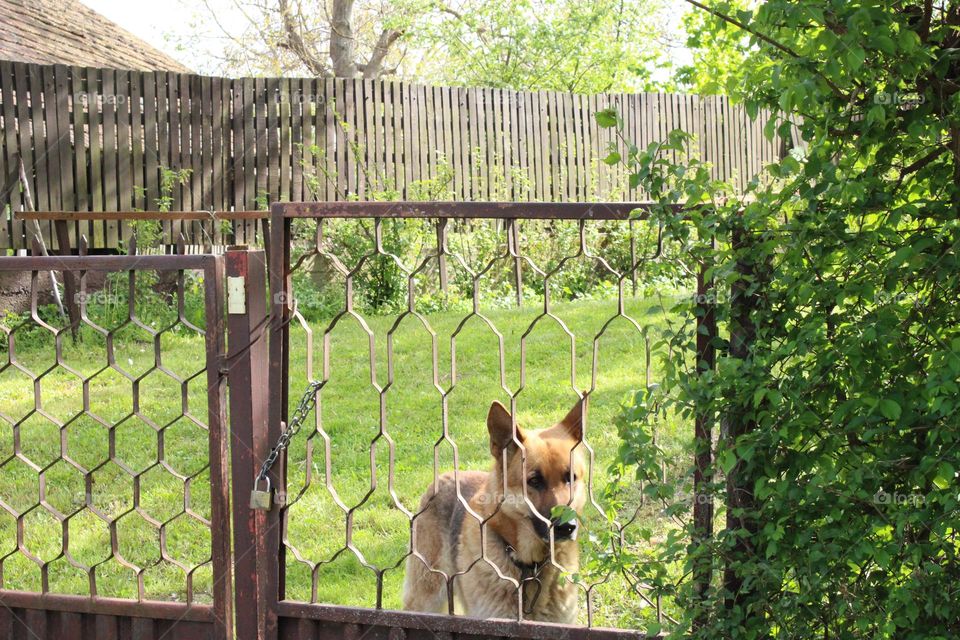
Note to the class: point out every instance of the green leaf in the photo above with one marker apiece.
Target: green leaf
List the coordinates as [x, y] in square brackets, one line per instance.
[890, 409]
[607, 118]
[612, 159]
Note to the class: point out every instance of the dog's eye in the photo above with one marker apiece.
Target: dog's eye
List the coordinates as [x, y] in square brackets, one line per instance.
[535, 481]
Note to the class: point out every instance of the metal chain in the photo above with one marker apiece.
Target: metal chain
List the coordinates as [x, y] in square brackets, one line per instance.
[307, 402]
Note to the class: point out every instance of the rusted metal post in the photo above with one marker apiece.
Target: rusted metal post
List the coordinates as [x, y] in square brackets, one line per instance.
[247, 379]
[217, 445]
[273, 577]
[442, 253]
[706, 321]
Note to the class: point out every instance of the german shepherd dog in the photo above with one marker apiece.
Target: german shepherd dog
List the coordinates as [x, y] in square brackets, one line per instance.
[517, 556]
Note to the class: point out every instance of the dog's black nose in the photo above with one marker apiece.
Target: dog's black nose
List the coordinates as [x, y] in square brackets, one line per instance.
[563, 530]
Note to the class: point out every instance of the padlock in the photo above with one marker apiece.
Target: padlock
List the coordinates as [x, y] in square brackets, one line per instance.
[261, 500]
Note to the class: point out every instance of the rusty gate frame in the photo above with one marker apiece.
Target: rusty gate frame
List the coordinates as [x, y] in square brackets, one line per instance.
[260, 532]
[247, 352]
[41, 615]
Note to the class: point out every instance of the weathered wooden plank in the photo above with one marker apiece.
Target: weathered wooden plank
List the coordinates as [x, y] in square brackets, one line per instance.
[366, 139]
[459, 159]
[78, 123]
[219, 125]
[301, 137]
[281, 161]
[431, 100]
[124, 152]
[108, 103]
[421, 149]
[47, 153]
[136, 137]
[344, 94]
[390, 146]
[474, 144]
[263, 137]
[15, 121]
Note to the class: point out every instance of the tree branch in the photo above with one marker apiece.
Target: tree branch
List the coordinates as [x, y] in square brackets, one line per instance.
[374, 67]
[773, 43]
[297, 45]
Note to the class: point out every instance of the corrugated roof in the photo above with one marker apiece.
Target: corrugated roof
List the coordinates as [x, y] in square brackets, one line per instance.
[68, 32]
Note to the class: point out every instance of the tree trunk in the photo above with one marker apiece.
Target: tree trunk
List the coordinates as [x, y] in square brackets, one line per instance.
[343, 44]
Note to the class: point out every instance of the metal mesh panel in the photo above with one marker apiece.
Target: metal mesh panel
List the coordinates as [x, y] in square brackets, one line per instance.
[461, 313]
[105, 477]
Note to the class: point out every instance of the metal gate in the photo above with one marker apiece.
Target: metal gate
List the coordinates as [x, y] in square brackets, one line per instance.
[101, 502]
[248, 310]
[267, 533]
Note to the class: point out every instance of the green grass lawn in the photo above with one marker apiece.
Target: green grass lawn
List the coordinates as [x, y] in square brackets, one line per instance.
[349, 408]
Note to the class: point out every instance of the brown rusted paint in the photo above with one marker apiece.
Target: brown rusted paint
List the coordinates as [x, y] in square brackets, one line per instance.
[141, 215]
[219, 463]
[344, 618]
[519, 210]
[247, 379]
[107, 606]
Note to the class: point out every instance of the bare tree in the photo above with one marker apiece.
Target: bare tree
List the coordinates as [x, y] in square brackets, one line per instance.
[338, 38]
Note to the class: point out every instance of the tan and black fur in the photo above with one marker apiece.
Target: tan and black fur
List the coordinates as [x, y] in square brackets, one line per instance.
[516, 542]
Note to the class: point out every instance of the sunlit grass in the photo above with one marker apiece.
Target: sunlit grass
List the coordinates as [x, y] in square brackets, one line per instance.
[350, 406]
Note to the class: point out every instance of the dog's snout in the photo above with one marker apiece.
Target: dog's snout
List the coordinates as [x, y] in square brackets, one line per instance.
[563, 530]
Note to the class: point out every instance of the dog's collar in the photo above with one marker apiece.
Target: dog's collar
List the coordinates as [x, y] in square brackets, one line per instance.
[527, 569]
[529, 576]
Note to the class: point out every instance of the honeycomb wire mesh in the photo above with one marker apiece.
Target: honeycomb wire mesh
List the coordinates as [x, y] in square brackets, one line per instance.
[408, 376]
[105, 483]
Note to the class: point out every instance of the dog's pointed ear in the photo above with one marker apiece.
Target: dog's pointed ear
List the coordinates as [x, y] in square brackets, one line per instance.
[500, 426]
[573, 421]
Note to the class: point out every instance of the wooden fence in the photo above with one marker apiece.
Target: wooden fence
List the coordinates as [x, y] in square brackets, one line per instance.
[103, 140]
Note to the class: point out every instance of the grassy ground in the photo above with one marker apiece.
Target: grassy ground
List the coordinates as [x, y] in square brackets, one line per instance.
[414, 411]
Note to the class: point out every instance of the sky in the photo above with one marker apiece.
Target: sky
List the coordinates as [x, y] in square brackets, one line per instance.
[156, 21]
[159, 22]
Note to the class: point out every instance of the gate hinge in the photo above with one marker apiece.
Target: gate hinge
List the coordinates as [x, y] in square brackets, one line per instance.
[236, 295]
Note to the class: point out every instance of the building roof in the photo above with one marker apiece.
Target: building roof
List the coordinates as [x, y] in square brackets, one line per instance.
[68, 32]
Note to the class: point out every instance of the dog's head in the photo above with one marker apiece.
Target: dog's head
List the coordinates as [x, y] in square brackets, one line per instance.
[547, 472]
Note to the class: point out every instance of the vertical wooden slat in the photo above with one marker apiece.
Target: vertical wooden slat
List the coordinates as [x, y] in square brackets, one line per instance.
[421, 141]
[457, 144]
[490, 140]
[285, 112]
[390, 146]
[302, 135]
[204, 199]
[167, 135]
[262, 101]
[137, 136]
[474, 148]
[15, 121]
[329, 190]
[219, 125]
[124, 152]
[95, 229]
[195, 155]
[251, 135]
[154, 132]
[110, 202]
[432, 104]
[78, 91]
